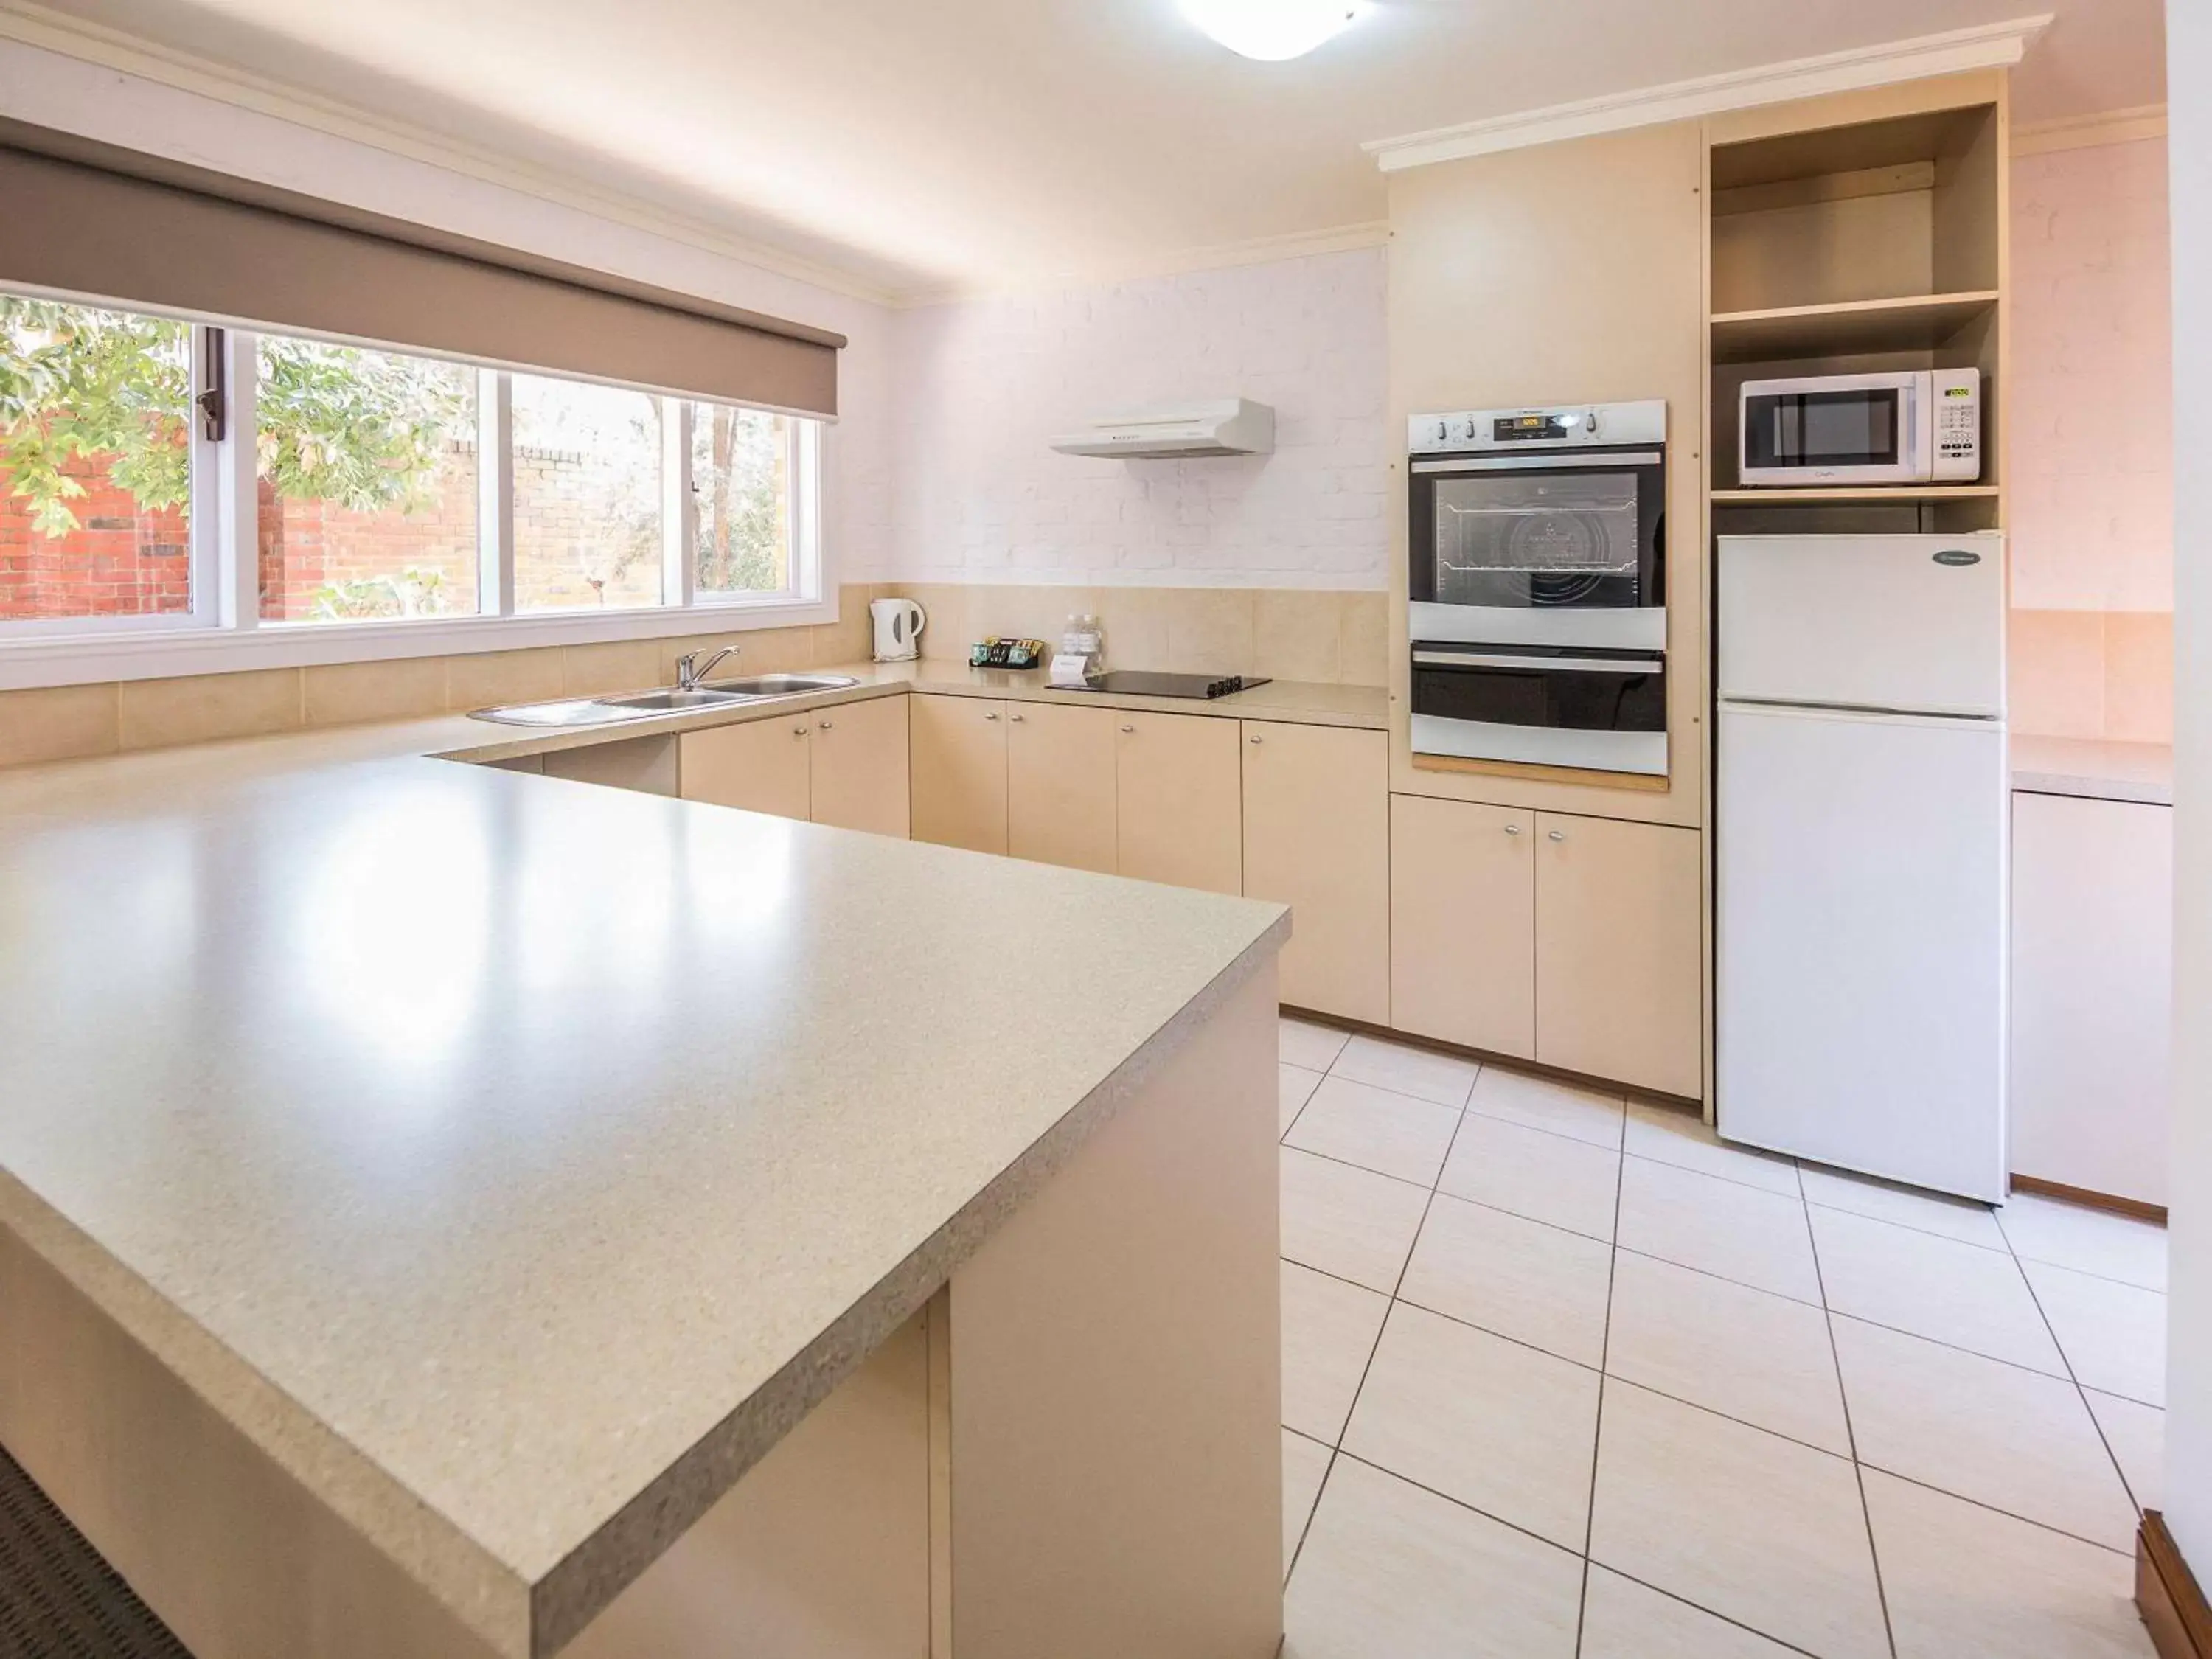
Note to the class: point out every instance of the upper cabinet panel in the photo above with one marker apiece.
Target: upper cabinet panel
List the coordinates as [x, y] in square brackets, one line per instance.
[1567, 272]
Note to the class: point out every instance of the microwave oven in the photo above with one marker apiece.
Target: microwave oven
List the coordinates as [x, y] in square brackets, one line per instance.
[1915, 426]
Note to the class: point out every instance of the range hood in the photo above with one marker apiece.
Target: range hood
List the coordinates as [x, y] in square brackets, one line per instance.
[1228, 426]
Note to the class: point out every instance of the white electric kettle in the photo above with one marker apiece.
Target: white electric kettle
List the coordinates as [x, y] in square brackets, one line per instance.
[899, 623]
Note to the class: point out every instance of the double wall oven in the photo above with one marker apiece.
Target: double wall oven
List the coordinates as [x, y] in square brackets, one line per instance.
[1537, 588]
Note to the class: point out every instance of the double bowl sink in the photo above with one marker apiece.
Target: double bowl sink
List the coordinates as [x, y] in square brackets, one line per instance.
[668, 699]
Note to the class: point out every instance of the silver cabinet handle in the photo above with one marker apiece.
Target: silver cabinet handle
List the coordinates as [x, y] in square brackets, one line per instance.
[825, 726]
[798, 731]
[1255, 738]
[991, 714]
[1128, 728]
[1559, 834]
[1512, 829]
[1016, 719]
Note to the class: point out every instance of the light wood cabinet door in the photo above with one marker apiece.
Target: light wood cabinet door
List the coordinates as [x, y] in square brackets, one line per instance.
[1060, 786]
[959, 771]
[1179, 806]
[1619, 964]
[1463, 923]
[860, 769]
[1317, 838]
[760, 766]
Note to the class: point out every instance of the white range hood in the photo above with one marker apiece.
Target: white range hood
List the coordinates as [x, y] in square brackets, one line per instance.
[1228, 426]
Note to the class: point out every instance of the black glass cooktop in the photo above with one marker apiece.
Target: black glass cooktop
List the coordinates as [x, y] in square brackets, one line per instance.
[1133, 683]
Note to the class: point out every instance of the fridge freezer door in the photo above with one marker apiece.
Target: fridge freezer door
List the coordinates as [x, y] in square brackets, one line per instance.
[1859, 943]
[1908, 622]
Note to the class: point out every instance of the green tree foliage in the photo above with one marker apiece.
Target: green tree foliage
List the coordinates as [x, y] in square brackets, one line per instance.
[360, 428]
[76, 382]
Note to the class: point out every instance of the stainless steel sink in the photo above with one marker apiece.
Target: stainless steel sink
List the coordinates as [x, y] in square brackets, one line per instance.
[781, 686]
[669, 702]
[668, 699]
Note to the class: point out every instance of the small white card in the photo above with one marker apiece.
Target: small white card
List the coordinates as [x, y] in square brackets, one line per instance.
[1072, 671]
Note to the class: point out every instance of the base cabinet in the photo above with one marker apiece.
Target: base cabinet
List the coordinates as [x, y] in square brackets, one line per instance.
[1574, 942]
[1463, 924]
[1317, 838]
[1060, 786]
[761, 766]
[1619, 955]
[1179, 806]
[859, 766]
[959, 777]
[2092, 992]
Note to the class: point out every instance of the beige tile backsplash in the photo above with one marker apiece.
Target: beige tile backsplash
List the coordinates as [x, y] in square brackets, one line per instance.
[1284, 633]
[2105, 674]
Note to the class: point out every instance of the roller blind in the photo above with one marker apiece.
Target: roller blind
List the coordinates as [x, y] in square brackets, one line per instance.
[104, 222]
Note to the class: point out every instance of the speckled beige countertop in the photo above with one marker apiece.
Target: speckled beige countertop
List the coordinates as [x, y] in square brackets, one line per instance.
[2098, 770]
[514, 1161]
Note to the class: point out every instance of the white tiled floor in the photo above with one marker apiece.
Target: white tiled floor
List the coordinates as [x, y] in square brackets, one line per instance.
[1566, 1378]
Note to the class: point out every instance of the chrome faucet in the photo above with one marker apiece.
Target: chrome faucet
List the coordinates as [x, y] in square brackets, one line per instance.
[691, 671]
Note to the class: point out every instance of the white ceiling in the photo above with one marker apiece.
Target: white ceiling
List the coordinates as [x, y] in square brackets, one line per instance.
[923, 145]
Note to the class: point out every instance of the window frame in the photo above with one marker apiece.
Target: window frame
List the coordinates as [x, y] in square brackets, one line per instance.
[225, 631]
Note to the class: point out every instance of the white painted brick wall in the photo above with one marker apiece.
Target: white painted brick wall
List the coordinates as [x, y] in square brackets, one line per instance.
[2092, 398]
[981, 385]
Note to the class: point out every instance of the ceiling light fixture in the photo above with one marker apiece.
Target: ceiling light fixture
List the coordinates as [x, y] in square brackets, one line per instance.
[1273, 30]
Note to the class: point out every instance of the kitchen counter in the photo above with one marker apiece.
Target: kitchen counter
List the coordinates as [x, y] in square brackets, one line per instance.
[2098, 770]
[514, 1162]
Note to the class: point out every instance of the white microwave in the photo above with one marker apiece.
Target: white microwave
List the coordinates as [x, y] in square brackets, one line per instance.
[1917, 426]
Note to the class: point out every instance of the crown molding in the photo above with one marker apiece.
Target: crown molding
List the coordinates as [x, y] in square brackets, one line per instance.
[1256, 250]
[28, 24]
[1991, 45]
[2111, 126]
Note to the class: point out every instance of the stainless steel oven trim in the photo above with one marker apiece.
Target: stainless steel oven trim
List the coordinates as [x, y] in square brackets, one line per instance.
[1610, 628]
[1644, 752]
[1576, 665]
[1589, 461]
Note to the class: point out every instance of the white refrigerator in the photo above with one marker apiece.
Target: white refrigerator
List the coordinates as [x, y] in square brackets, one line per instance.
[1861, 784]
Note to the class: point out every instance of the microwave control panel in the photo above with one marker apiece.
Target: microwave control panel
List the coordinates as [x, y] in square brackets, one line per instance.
[1957, 396]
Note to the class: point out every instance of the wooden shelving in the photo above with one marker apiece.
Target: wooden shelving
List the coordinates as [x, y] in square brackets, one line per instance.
[1917, 322]
[1785, 497]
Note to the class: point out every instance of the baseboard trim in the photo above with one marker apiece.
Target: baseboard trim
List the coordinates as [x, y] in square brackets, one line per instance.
[2095, 1200]
[2173, 1607]
[1504, 1062]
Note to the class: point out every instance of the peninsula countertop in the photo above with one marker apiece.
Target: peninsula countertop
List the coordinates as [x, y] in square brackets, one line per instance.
[514, 1160]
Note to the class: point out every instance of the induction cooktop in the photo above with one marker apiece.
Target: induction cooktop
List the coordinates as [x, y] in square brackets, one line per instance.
[1133, 683]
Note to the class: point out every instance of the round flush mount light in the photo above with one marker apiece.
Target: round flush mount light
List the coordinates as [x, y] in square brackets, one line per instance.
[1273, 30]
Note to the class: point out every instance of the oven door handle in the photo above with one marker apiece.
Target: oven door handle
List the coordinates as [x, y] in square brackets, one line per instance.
[1594, 461]
[1575, 665]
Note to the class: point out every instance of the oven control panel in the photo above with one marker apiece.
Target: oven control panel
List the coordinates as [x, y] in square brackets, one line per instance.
[1565, 426]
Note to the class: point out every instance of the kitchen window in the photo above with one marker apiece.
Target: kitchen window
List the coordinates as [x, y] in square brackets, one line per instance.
[163, 476]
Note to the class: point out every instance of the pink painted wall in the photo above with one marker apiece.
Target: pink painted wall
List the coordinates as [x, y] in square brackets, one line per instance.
[2092, 405]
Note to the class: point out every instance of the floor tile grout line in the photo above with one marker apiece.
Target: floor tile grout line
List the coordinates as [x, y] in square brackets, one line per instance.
[1346, 1164]
[2067, 1359]
[1725, 1618]
[1597, 1417]
[1337, 1451]
[1588, 1561]
[1998, 1509]
[1702, 1272]
[1851, 1436]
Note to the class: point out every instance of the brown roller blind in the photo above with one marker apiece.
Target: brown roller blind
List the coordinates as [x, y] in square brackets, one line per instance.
[91, 219]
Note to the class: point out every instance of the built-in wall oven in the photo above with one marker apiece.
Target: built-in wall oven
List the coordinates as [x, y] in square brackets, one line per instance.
[1537, 604]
